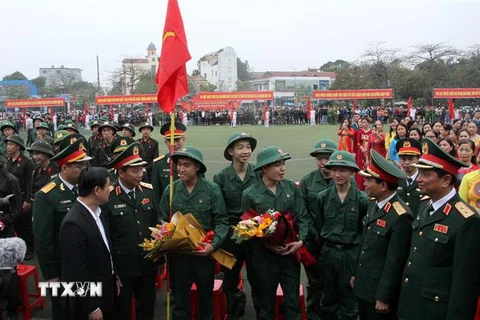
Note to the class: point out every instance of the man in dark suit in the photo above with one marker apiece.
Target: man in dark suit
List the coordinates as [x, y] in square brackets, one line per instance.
[85, 247]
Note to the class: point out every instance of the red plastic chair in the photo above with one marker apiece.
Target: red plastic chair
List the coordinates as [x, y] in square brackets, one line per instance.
[24, 272]
[219, 301]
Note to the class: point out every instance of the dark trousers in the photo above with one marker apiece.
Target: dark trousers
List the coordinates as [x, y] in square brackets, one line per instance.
[273, 269]
[143, 288]
[24, 229]
[337, 266]
[59, 307]
[367, 311]
[230, 281]
[184, 271]
[315, 283]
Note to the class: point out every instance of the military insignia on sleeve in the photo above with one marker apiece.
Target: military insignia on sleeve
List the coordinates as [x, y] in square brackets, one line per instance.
[440, 228]
[464, 210]
[48, 187]
[399, 208]
[381, 223]
[145, 201]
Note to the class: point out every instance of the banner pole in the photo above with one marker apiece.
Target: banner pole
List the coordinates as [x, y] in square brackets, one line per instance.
[171, 150]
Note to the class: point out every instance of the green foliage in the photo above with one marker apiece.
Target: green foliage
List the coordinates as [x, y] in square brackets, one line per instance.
[244, 71]
[146, 84]
[243, 86]
[16, 92]
[84, 92]
[17, 75]
[334, 66]
[208, 88]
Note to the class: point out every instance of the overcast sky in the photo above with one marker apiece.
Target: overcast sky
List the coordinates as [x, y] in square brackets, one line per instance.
[271, 35]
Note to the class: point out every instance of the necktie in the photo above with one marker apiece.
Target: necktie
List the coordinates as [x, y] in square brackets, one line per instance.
[429, 208]
[409, 181]
[75, 190]
[132, 195]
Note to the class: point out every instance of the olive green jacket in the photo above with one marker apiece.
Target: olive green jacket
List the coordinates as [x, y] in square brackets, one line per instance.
[338, 222]
[128, 222]
[441, 279]
[383, 251]
[50, 206]
[205, 203]
[287, 198]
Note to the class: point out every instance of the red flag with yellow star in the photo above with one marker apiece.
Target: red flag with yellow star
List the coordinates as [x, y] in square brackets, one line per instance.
[171, 76]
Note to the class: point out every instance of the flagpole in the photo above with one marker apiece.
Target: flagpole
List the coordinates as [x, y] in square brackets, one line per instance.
[171, 150]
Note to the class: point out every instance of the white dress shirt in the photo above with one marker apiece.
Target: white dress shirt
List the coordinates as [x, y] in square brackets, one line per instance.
[439, 203]
[382, 203]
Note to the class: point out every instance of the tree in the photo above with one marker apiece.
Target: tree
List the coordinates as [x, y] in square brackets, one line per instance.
[208, 88]
[243, 86]
[128, 75]
[333, 66]
[39, 82]
[146, 84]
[244, 71]
[17, 75]
[84, 92]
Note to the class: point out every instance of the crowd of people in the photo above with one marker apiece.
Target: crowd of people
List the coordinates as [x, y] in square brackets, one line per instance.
[380, 213]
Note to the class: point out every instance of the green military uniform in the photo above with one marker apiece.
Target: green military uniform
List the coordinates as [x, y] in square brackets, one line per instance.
[50, 206]
[129, 217]
[408, 189]
[232, 187]
[22, 168]
[47, 138]
[384, 246]
[206, 204]
[103, 153]
[96, 138]
[41, 175]
[339, 225]
[119, 145]
[268, 268]
[3, 143]
[161, 166]
[33, 134]
[442, 277]
[310, 185]
[150, 149]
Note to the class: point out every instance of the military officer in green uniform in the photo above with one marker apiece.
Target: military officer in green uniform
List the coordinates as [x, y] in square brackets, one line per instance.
[441, 278]
[274, 264]
[42, 152]
[103, 153]
[385, 242]
[127, 130]
[50, 206]
[409, 151]
[233, 179]
[202, 198]
[42, 133]
[33, 134]
[161, 166]
[129, 213]
[310, 185]
[70, 126]
[118, 145]
[7, 128]
[339, 212]
[22, 167]
[150, 147]
[96, 138]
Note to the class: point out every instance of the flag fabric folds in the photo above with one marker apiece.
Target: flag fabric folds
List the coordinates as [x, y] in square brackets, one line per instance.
[409, 106]
[171, 76]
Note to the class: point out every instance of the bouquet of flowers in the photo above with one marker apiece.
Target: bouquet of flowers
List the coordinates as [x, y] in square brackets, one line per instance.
[182, 234]
[256, 225]
[277, 228]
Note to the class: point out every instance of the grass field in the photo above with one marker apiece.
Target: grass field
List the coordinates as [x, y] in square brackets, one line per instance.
[298, 140]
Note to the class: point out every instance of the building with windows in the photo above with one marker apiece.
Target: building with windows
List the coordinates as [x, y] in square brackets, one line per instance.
[134, 68]
[292, 86]
[61, 77]
[220, 69]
